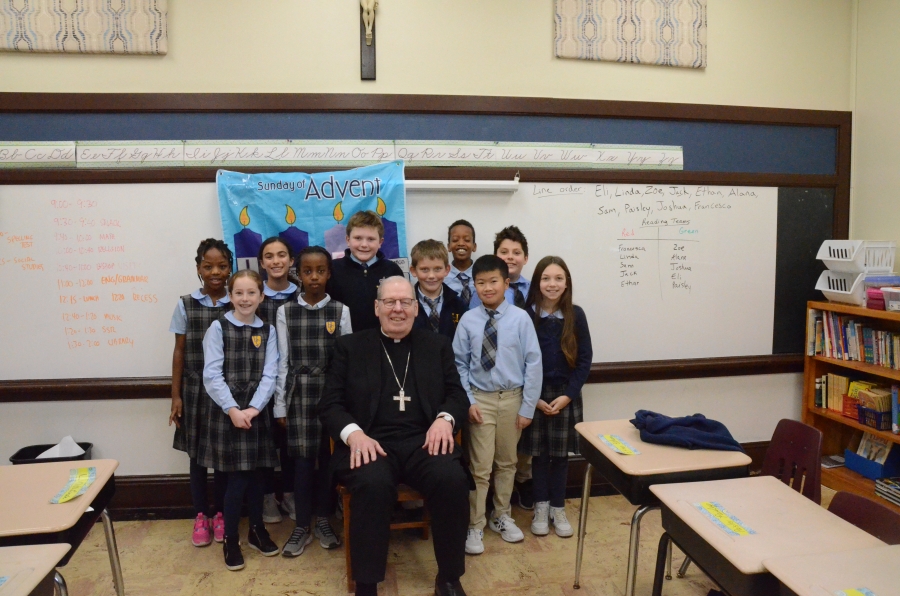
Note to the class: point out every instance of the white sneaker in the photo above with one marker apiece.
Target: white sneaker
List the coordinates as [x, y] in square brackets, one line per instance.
[474, 542]
[287, 505]
[507, 528]
[540, 524]
[561, 522]
[271, 515]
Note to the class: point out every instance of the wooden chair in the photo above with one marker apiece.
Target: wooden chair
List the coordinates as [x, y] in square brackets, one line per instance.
[404, 493]
[794, 456]
[867, 515]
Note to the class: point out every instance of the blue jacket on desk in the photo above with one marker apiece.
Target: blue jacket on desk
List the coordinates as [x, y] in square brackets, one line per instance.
[690, 432]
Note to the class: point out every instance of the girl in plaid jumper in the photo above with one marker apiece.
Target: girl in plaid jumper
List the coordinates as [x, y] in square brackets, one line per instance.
[566, 353]
[241, 364]
[307, 329]
[192, 317]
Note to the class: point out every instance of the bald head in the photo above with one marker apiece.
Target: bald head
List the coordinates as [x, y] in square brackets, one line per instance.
[396, 317]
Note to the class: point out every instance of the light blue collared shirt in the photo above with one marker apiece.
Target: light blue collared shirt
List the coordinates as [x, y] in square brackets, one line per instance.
[368, 263]
[524, 285]
[279, 294]
[454, 283]
[518, 362]
[424, 305]
[179, 317]
[214, 359]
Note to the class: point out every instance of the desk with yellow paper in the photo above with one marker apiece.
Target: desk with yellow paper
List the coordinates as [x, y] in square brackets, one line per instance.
[618, 444]
[79, 481]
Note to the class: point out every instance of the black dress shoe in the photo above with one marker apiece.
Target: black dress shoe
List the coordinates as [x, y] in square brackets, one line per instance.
[453, 588]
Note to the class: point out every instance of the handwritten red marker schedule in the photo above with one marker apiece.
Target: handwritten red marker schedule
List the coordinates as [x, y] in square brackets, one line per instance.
[94, 273]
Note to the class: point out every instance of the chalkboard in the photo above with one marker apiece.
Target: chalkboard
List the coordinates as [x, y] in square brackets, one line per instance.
[664, 271]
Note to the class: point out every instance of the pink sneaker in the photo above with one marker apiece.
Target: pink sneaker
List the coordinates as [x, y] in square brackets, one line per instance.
[218, 526]
[201, 536]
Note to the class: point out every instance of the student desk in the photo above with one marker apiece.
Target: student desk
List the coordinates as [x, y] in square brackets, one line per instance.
[28, 517]
[784, 521]
[30, 570]
[823, 575]
[633, 475]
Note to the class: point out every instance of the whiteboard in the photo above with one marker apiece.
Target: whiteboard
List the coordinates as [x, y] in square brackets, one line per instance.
[92, 273]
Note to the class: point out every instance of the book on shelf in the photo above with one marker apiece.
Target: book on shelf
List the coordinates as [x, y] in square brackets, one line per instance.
[887, 496]
[889, 485]
[874, 448]
[895, 409]
[844, 338]
[874, 398]
[833, 461]
[834, 388]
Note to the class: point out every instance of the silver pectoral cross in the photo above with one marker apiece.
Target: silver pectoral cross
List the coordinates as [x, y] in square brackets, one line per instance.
[402, 399]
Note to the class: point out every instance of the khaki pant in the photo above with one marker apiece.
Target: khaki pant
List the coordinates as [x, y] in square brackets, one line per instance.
[492, 446]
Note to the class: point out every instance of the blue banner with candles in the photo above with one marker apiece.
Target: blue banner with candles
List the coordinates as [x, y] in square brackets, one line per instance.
[311, 209]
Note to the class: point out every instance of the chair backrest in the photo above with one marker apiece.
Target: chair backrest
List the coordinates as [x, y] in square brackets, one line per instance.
[795, 457]
[867, 515]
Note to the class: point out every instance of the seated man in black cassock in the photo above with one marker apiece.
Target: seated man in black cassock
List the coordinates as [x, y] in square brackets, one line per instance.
[392, 402]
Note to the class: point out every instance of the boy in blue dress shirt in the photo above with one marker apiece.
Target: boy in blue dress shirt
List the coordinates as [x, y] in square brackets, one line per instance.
[499, 362]
[461, 243]
[511, 246]
[440, 308]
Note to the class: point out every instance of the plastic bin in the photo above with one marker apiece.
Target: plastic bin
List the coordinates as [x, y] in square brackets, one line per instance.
[858, 256]
[843, 287]
[891, 298]
[28, 455]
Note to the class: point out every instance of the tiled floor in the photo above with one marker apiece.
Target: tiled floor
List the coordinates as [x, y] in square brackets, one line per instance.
[158, 559]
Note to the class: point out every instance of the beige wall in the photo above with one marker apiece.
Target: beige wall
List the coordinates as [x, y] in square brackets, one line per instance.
[875, 208]
[776, 53]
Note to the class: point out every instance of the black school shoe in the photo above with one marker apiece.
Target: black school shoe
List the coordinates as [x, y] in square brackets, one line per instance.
[442, 588]
[526, 495]
[234, 559]
[258, 539]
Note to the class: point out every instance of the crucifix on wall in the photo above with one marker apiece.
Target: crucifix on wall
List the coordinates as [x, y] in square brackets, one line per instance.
[367, 40]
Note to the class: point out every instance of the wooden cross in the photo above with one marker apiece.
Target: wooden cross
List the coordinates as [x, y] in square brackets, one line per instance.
[402, 399]
[367, 40]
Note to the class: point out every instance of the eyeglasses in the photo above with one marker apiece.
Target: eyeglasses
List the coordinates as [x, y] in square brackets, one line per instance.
[405, 303]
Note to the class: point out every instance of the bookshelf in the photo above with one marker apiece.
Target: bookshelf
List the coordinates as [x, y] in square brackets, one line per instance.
[840, 432]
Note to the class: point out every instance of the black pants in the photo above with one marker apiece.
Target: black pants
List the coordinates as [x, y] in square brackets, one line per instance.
[239, 484]
[198, 476]
[313, 488]
[549, 479]
[442, 481]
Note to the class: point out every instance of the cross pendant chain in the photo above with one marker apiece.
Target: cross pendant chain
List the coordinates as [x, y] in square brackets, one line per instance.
[402, 399]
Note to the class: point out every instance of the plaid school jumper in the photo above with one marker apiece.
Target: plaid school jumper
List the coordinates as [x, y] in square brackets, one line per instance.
[228, 448]
[195, 401]
[311, 337]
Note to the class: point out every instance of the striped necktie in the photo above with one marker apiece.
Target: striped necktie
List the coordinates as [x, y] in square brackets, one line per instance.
[518, 296]
[466, 293]
[489, 344]
[434, 319]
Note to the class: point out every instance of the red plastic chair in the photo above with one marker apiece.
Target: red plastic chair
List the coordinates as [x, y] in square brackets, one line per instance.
[795, 457]
[867, 515]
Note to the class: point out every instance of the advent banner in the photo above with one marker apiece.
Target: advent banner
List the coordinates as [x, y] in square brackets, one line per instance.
[310, 209]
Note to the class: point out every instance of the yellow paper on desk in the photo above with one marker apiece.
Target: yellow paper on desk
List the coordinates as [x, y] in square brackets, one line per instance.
[855, 592]
[79, 481]
[724, 520]
[618, 444]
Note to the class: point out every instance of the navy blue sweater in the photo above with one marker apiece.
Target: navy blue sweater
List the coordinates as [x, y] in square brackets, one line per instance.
[357, 287]
[690, 432]
[556, 368]
[452, 308]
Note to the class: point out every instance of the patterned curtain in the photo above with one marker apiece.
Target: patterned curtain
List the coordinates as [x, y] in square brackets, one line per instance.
[84, 26]
[663, 32]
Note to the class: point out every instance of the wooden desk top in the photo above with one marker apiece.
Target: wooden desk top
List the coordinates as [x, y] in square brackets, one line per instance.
[822, 575]
[786, 523]
[26, 490]
[26, 566]
[655, 459]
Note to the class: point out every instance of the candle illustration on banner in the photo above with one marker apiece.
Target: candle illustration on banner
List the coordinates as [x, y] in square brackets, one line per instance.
[247, 244]
[336, 236]
[391, 246]
[295, 237]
